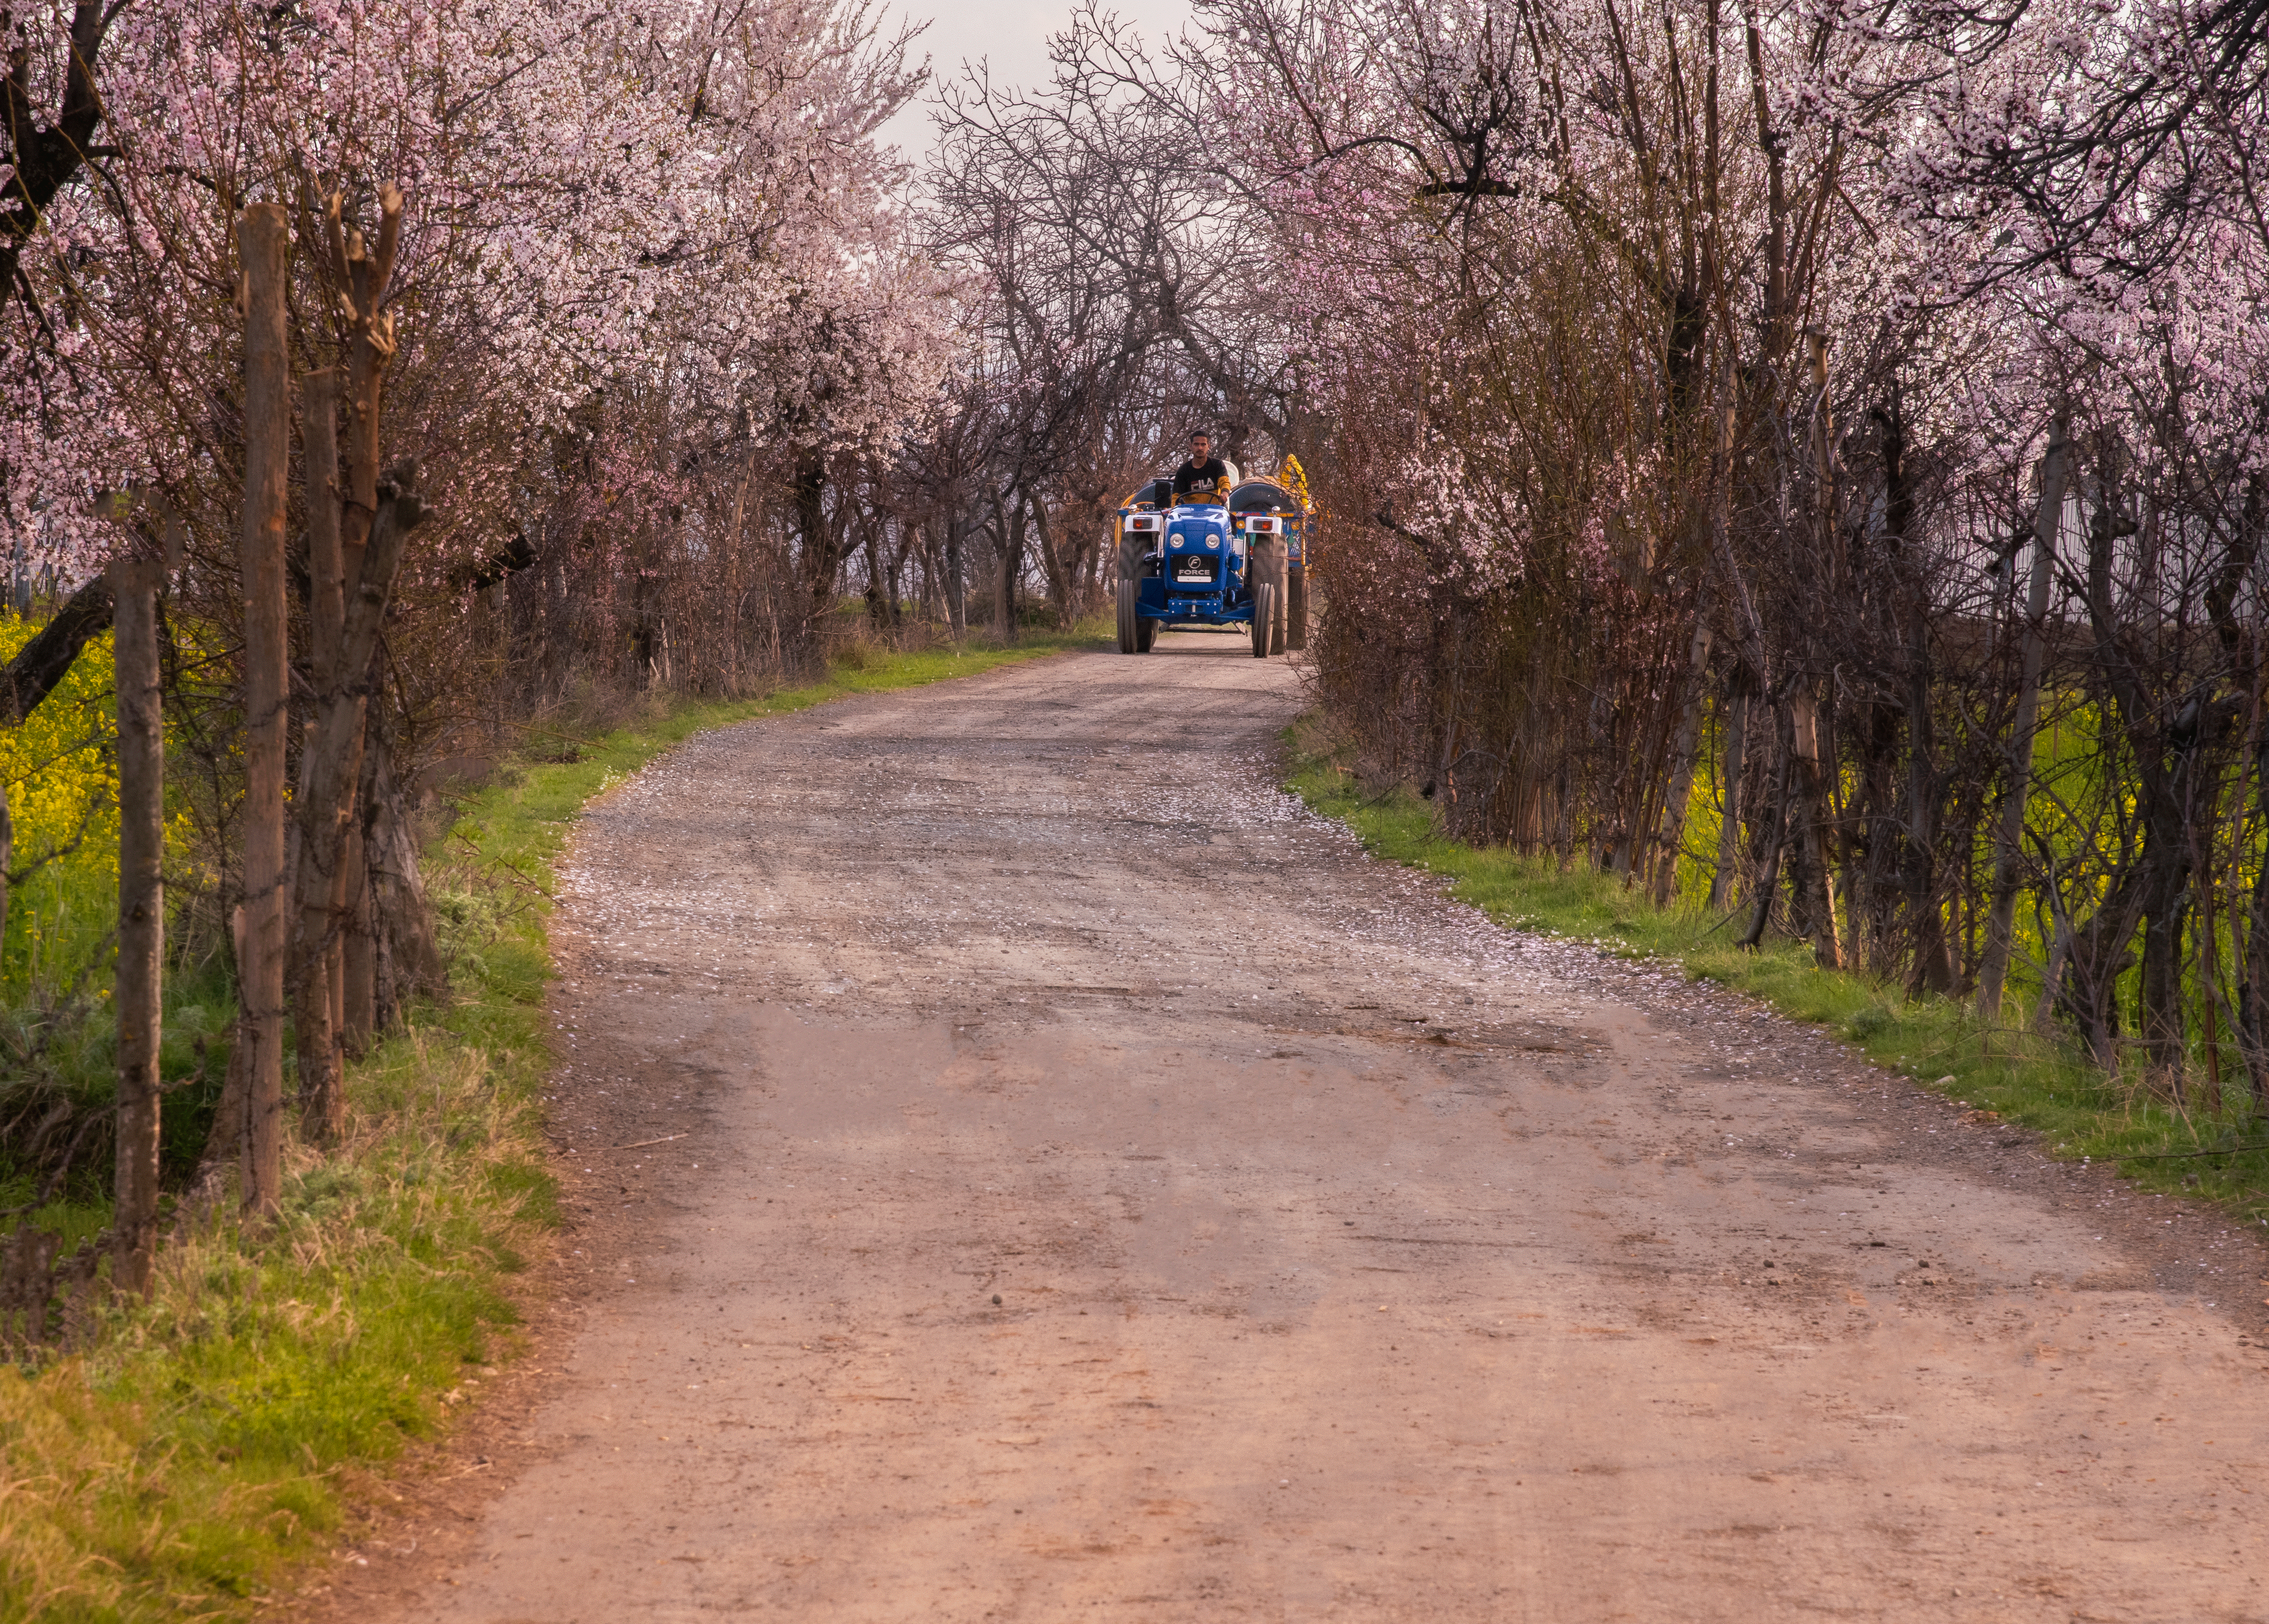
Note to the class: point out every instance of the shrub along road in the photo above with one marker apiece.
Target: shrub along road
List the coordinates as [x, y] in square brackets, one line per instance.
[1102, 1186]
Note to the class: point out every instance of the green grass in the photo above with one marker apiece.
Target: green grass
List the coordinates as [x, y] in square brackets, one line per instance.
[212, 1438]
[2038, 1081]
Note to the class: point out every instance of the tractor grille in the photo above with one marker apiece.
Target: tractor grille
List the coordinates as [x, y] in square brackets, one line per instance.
[1192, 570]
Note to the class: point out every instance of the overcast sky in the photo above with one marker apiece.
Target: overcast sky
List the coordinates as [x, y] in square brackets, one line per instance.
[1013, 34]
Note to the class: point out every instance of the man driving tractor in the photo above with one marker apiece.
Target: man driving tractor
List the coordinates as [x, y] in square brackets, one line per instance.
[1204, 475]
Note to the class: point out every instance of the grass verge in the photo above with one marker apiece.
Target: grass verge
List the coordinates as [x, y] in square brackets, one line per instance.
[2021, 1075]
[212, 1436]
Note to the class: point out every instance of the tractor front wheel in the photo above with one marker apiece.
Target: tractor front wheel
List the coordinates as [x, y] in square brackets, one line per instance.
[1264, 616]
[1131, 639]
[1130, 627]
[1146, 632]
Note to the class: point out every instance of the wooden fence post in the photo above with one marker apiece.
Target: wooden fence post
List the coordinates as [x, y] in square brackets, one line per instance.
[264, 241]
[141, 915]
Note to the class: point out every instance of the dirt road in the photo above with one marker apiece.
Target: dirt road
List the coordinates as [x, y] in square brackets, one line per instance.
[1104, 1193]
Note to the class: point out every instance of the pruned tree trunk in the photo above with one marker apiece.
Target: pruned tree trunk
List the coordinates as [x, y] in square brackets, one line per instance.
[320, 883]
[141, 917]
[356, 526]
[362, 275]
[264, 240]
[334, 776]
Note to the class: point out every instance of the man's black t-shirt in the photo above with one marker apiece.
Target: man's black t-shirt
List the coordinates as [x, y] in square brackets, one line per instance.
[1209, 476]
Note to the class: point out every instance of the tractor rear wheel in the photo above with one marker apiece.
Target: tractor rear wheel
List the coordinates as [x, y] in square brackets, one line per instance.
[1296, 607]
[1268, 577]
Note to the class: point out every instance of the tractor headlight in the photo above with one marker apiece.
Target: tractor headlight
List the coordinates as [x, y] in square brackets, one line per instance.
[1213, 541]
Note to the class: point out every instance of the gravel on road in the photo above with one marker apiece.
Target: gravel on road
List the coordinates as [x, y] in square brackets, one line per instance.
[1023, 1165]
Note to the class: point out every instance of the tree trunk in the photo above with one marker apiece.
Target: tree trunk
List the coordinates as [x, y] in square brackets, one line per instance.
[932, 578]
[1729, 831]
[224, 1144]
[359, 950]
[2059, 951]
[878, 592]
[1671, 843]
[141, 916]
[2000, 924]
[2164, 753]
[956, 579]
[821, 562]
[1008, 565]
[1932, 967]
[41, 663]
[2253, 986]
[2160, 1015]
[2097, 957]
[264, 239]
[1769, 876]
[407, 963]
[894, 574]
[1059, 587]
[1933, 964]
[32, 676]
[1815, 902]
[7, 856]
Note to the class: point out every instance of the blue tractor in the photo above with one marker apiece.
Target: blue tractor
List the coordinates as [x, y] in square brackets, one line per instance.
[1197, 561]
